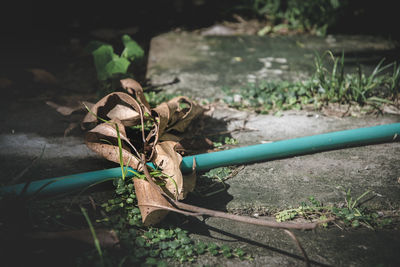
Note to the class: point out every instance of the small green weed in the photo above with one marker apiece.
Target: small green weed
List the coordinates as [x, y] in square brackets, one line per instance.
[213, 181]
[267, 96]
[156, 98]
[223, 141]
[327, 85]
[150, 246]
[338, 87]
[351, 214]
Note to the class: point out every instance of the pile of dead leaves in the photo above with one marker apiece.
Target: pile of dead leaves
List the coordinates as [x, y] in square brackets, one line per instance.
[145, 135]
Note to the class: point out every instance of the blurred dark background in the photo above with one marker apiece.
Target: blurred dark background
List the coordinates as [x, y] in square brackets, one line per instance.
[22, 19]
[33, 31]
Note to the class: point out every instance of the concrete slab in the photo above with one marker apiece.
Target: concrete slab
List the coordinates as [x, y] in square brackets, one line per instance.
[326, 175]
[205, 64]
[32, 137]
[332, 247]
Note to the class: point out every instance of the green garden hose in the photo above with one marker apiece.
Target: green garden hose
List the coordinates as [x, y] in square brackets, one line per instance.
[207, 161]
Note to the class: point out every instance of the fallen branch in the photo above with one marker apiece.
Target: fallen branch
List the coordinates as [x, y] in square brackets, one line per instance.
[197, 211]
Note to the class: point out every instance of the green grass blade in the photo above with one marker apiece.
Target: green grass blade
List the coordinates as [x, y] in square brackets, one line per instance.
[95, 239]
[360, 197]
[121, 160]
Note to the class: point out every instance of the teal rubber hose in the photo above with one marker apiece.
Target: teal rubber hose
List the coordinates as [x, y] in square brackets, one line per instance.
[241, 155]
[294, 147]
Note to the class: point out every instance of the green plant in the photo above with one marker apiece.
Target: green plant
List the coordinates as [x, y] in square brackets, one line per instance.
[110, 67]
[213, 182]
[156, 98]
[326, 85]
[95, 239]
[152, 244]
[311, 210]
[336, 86]
[267, 96]
[222, 141]
[351, 214]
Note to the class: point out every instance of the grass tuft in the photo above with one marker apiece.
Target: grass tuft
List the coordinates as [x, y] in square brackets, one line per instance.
[327, 85]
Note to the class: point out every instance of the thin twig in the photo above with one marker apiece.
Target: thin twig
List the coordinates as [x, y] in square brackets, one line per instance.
[234, 173]
[299, 246]
[213, 213]
[272, 224]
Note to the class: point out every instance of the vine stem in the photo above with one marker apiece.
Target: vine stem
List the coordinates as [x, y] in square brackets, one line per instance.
[197, 211]
[299, 246]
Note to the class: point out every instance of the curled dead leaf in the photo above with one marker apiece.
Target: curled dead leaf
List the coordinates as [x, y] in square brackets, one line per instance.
[186, 112]
[65, 110]
[134, 88]
[103, 139]
[169, 162]
[123, 113]
[176, 115]
[108, 104]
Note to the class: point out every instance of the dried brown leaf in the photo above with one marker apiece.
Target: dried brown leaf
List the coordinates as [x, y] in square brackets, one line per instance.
[103, 140]
[134, 88]
[123, 113]
[184, 115]
[65, 110]
[163, 114]
[148, 196]
[103, 107]
[169, 162]
[172, 116]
